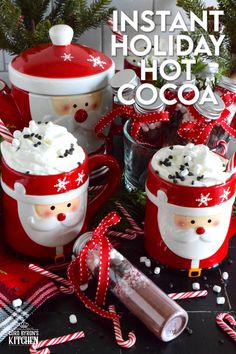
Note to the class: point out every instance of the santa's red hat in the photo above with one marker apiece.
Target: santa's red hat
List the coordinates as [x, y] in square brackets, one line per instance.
[188, 198]
[46, 189]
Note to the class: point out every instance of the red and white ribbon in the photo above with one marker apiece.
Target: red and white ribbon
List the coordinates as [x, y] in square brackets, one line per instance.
[5, 132]
[35, 348]
[220, 320]
[136, 118]
[118, 334]
[227, 96]
[118, 34]
[78, 272]
[66, 290]
[200, 129]
[188, 295]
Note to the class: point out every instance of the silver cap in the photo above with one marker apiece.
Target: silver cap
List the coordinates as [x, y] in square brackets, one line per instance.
[209, 109]
[146, 94]
[228, 84]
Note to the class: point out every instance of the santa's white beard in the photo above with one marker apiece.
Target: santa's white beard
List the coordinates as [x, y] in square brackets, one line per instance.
[50, 232]
[186, 243]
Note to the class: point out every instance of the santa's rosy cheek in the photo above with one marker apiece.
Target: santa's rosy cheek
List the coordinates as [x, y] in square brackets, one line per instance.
[94, 106]
[47, 214]
[180, 223]
[65, 108]
[74, 208]
[216, 223]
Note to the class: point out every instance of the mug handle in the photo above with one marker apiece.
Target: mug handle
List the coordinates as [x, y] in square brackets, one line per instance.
[232, 227]
[114, 176]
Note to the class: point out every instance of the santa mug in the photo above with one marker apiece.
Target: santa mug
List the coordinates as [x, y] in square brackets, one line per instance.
[43, 214]
[188, 227]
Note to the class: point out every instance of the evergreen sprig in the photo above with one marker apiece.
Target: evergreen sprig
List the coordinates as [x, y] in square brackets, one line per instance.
[25, 23]
[225, 59]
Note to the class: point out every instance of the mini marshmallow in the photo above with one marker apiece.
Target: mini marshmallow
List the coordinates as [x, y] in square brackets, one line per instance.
[73, 319]
[196, 286]
[220, 300]
[17, 303]
[225, 275]
[84, 286]
[147, 262]
[142, 259]
[216, 288]
[184, 173]
[157, 270]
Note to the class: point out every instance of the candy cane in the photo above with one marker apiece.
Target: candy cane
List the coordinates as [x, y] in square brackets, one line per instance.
[220, 320]
[231, 165]
[118, 335]
[53, 341]
[129, 217]
[121, 234]
[5, 132]
[188, 295]
[68, 290]
[118, 34]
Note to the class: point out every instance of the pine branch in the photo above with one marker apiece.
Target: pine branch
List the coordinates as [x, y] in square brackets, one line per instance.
[196, 6]
[25, 23]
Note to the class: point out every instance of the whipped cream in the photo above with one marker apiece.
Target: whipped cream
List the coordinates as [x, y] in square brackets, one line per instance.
[191, 165]
[43, 149]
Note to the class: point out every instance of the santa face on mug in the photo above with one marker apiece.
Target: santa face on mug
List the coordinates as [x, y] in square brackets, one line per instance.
[53, 224]
[193, 233]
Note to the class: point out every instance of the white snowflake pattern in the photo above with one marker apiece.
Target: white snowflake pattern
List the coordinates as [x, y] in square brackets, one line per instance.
[96, 61]
[225, 195]
[204, 199]
[61, 184]
[80, 178]
[67, 57]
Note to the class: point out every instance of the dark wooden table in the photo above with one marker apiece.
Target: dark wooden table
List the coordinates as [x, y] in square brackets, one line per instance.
[204, 337]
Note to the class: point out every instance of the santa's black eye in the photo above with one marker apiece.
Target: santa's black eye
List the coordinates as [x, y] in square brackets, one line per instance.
[74, 105]
[68, 205]
[192, 221]
[209, 221]
[134, 61]
[86, 104]
[52, 207]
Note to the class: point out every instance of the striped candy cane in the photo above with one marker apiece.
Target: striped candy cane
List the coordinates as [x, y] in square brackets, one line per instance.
[118, 335]
[53, 341]
[129, 218]
[5, 132]
[121, 235]
[118, 34]
[188, 295]
[66, 290]
[220, 320]
[231, 165]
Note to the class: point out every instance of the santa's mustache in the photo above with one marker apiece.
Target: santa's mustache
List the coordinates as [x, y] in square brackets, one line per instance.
[48, 224]
[190, 236]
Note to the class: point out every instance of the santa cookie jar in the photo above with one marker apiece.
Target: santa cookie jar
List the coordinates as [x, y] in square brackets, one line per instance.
[190, 194]
[64, 83]
[45, 190]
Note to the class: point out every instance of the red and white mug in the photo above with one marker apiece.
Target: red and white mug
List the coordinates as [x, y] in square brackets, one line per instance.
[43, 214]
[188, 227]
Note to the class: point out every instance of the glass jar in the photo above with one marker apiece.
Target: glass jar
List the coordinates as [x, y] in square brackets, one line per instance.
[162, 316]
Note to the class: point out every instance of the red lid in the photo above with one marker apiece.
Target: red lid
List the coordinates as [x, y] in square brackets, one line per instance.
[65, 64]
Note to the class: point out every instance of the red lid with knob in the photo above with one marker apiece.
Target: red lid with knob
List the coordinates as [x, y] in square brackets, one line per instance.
[61, 68]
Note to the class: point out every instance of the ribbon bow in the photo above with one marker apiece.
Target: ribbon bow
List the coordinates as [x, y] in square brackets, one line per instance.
[129, 112]
[78, 272]
[199, 130]
[227, 96]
